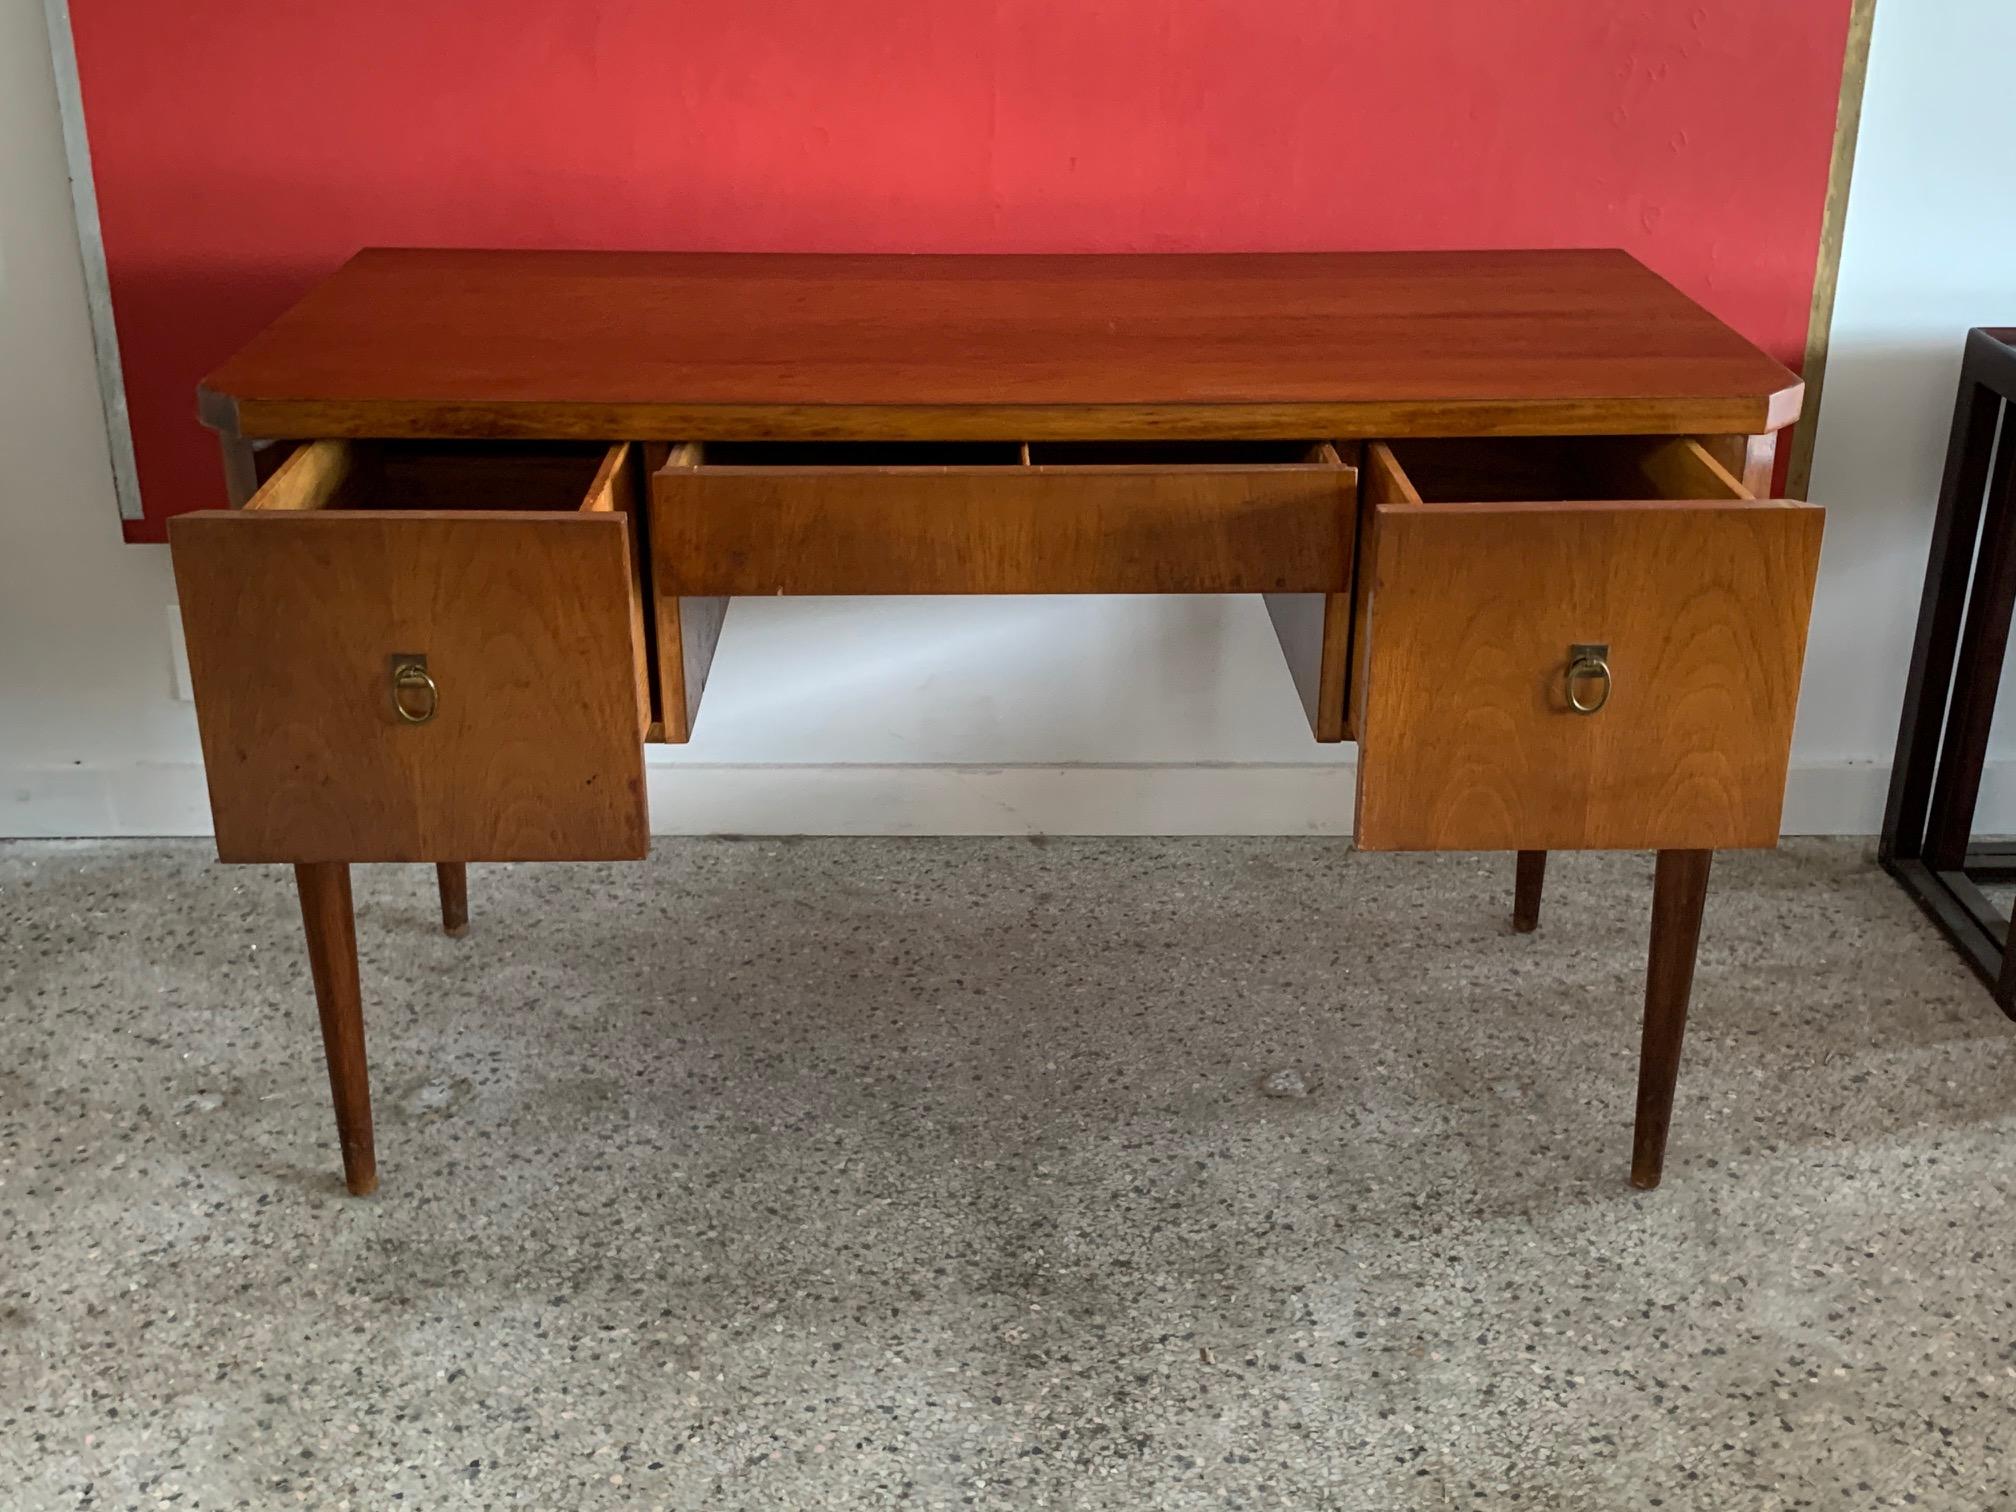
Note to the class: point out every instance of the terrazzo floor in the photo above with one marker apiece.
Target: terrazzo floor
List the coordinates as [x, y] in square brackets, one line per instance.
[939, 1173]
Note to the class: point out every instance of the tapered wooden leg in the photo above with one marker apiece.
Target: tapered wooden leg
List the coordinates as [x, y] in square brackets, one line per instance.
[1532, 874]
[332, 955]
[454, 877]
[1679, 888]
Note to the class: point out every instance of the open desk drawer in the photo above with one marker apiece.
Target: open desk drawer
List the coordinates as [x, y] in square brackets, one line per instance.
[421, 651]
[1591, 642]
[987, 517]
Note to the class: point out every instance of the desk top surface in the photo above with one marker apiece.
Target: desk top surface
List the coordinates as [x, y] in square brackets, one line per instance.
[675, 345]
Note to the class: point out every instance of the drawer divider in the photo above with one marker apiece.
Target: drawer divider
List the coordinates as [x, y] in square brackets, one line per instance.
[309, 479]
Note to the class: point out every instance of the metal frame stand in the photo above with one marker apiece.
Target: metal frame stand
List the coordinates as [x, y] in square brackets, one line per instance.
[1956, 672]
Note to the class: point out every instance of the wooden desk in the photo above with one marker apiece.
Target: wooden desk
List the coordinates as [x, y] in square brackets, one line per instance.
[1509, 511]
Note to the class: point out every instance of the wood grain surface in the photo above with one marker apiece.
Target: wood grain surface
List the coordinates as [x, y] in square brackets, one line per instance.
[329, 921]
[687, 629]
[1753, 459]
[292, 620]
[619, 487]
[1314, 633]
[452, 878]
[1679, 896]
[672, 346]
[1529, 880]
[1509, 469]
[1381, 480]
[1072, 526]
[1467, 742]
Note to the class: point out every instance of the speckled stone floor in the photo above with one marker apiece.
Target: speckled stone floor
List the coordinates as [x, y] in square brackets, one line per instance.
[937, 1174]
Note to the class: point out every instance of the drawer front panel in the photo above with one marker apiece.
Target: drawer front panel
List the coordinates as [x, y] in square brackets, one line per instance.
[529, 742]
[1001, 529]
[1468, 739]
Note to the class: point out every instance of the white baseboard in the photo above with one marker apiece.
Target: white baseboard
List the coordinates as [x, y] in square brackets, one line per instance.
[123, 799]
[1002, 800]
[690, 798]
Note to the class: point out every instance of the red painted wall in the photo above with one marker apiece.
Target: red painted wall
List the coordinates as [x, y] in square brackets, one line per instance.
[243, 148]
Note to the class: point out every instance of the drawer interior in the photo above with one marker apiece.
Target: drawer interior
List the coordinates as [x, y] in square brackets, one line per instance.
[1511, 469]
[1183, 454]
[536, 476]
[843, 454]
[833, 456]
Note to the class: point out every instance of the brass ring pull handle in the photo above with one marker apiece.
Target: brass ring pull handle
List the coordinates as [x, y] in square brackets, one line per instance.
[1588, 664]
[415, 697]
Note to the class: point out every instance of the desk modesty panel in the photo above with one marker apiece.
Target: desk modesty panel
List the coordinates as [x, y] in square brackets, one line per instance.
[1509, 512]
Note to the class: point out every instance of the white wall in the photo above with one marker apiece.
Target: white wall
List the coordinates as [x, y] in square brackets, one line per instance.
[1096, 715]
[1930, 251]
[90, 740]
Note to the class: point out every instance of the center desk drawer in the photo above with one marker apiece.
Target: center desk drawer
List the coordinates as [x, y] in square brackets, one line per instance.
[1576, 643]
[1084, 517]
[422, 651]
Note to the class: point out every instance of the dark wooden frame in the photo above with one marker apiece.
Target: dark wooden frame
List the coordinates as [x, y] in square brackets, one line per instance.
[1956, 672]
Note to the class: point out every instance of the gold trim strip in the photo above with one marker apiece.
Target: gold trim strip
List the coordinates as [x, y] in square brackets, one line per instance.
[1833, 226]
